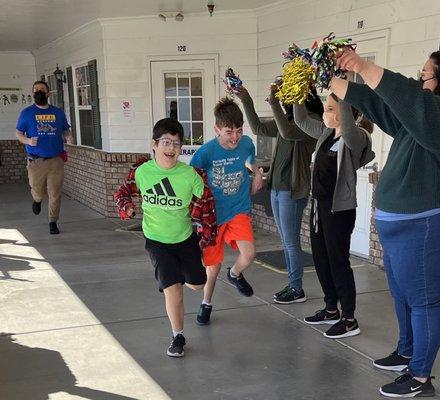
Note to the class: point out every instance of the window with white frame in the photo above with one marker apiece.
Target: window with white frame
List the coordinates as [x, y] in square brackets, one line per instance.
[184, 102]
[56, 98]
[84, 104]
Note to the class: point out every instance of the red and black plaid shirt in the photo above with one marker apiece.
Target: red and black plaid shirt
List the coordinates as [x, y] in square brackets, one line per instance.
[202, 210]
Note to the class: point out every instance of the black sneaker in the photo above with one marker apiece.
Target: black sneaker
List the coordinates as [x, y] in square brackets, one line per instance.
[53, 228]
[291, 296]
[278, 294]
[406, 386]
[36, 207]
[241, 284]
[323, 317]
[176, 346]
[394, 362]
[204, 314]
[343, 328]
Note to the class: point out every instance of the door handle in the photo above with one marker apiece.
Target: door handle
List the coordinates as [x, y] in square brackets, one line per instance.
[374, 167]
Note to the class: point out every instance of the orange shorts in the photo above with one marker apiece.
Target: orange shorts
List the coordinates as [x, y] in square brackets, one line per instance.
[238, 228]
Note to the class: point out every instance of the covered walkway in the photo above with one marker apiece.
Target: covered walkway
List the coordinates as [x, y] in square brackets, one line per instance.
[81, 318]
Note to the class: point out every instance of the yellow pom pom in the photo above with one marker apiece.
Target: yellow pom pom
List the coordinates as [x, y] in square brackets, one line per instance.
[297, 75]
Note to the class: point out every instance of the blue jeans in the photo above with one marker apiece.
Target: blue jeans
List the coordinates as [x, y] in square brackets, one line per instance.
[412, 262]
[288, 214]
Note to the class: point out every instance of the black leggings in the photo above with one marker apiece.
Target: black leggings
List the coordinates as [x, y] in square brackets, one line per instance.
[330, 237]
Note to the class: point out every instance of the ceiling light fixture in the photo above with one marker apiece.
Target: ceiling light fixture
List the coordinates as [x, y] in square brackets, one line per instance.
[177, 15]
[210, 6]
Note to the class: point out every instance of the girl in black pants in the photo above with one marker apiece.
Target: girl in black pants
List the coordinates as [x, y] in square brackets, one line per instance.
[342, 148]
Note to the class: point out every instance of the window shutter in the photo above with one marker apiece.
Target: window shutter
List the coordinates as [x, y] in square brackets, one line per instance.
[71, 101]
[96, 119]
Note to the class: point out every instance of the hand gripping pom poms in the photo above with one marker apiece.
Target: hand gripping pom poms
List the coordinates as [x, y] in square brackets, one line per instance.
[232, 81]
[314, 67]
[325, 55]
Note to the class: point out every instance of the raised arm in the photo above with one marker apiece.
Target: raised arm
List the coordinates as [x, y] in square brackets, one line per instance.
[310, 126]
[353, 136]
[258, 127]
[289, 130]
[417, 109]
[365, 100]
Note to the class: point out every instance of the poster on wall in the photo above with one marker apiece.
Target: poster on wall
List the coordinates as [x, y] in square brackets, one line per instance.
[13, 99]
[127, 110]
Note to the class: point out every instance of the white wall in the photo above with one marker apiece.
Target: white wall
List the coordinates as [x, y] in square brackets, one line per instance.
[78, 47]
[17, 70]
[414, 32]
[250, 42]
[128, 43]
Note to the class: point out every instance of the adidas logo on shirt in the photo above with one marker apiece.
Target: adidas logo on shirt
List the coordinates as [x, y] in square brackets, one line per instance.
[163, 194]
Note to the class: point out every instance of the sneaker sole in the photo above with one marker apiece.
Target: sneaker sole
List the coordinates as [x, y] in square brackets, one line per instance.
[348, 334]
[398, 368]
[302, 300]
[175, 355]
[328, 322]
[239, 291]
[202, 323]
[415, 394]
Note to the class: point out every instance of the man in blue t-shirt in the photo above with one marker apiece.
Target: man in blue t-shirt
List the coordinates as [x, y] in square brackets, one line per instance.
[42, 127]
[225, 159]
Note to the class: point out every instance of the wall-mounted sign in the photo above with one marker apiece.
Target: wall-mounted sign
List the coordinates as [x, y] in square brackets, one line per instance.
[127, 109]
[181, 48]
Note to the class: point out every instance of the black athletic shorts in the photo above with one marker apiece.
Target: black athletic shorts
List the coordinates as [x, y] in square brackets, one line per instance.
[177, 262]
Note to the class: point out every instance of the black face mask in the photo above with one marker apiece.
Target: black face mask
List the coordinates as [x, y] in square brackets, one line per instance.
[40, 98]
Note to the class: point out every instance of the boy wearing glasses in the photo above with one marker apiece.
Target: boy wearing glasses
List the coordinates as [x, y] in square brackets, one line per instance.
[172, 194]
[225, 159]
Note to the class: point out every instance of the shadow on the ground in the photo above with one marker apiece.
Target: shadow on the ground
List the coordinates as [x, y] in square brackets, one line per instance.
[44, 371]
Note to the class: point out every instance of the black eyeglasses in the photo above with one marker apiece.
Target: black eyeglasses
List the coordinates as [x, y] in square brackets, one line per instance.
[426, 80]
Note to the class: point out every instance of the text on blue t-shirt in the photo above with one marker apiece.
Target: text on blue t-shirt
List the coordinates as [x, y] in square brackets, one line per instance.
[48, 124]
[227, 176]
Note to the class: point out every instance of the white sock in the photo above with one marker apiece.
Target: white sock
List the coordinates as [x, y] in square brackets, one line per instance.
[175, 333]
[233, 274]
[206, 304]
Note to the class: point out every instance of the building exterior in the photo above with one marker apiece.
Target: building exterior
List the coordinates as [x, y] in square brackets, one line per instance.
[124, 73]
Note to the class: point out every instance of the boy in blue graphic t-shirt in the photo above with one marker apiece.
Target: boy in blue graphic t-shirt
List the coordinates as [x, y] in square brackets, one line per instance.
[226, 159]
[41, 127]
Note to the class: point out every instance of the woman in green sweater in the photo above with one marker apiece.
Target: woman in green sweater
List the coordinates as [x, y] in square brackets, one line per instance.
[288, 180]
[408, 209]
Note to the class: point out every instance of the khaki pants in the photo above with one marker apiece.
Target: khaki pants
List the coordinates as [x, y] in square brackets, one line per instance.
[46, 178]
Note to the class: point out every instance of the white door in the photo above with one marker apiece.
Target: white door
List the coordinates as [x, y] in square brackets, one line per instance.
[372, 49]
[186, 90]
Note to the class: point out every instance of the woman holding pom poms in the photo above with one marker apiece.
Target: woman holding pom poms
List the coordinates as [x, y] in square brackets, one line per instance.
[408, 209]
[288, 180]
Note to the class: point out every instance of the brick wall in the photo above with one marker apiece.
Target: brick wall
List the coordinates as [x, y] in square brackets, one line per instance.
[262, 221]
[92, 176]
[12, 162]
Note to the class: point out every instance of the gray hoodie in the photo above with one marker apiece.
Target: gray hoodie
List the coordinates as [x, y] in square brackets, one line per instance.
[354, 151]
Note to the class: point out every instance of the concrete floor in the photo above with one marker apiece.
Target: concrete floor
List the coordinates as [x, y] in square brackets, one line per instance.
[81, 318]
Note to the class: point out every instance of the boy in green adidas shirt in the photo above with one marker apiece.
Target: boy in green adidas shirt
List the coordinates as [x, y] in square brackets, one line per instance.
[172, 194]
